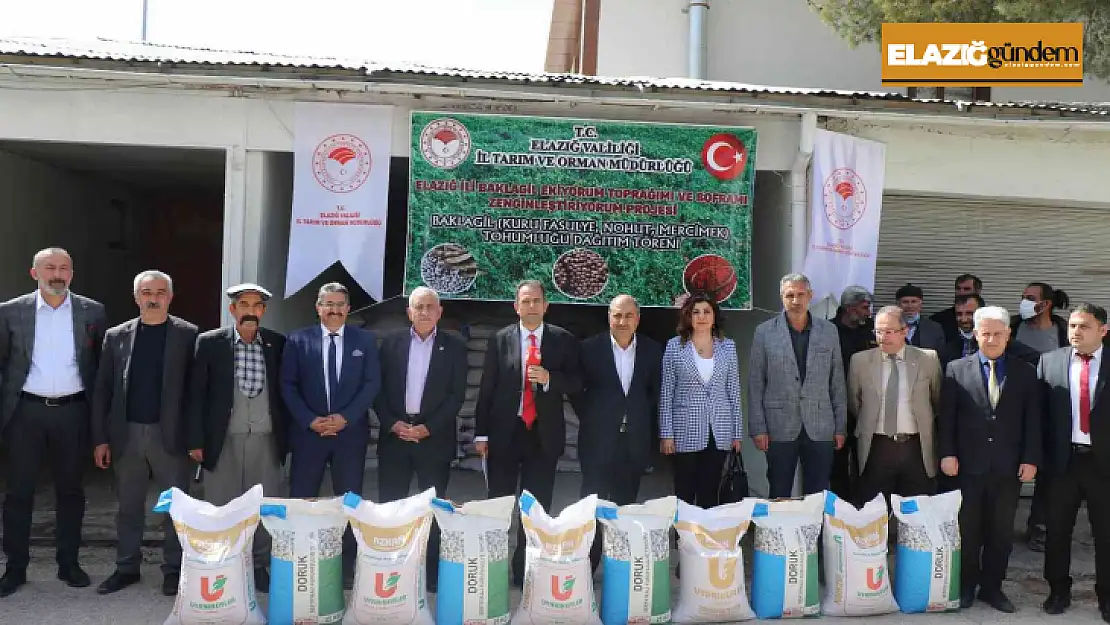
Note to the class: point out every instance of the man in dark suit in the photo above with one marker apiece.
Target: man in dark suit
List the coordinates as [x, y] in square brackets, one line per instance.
[990, 437]
[966, 284]
[236, 420]
[330, 376]
[924, 333]
[965, 343]
[423, 388]
[617, 407]
[49, 349]
[1077, 453]
[520, 428]
[137, 424]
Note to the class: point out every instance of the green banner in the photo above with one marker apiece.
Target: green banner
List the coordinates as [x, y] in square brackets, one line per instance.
[591, 208]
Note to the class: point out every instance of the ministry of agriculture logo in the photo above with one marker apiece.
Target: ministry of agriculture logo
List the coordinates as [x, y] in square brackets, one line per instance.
[341, 163]
[845, 198]
[445, 143]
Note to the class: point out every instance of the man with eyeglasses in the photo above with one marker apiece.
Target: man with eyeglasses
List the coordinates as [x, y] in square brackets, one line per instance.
[330, 376]
[894, 390]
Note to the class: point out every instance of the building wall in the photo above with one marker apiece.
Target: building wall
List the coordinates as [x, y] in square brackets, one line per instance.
[763, 42]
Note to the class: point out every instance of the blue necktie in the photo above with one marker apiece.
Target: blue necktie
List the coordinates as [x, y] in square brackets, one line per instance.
[333, 371]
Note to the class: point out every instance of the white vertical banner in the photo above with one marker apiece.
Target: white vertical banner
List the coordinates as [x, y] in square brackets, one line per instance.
[845, 200]
[340, 193]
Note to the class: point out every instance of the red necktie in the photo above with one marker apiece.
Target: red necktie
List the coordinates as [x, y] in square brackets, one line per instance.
[528, 411]
[1085, 393]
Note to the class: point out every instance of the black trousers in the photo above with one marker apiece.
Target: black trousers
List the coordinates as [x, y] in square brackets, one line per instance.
[987, 529]
[615, 479]
[60, 435]
[845, 478]
[782, 461]
[697, 475]
[522, 466]
[397, 464]
[1081, 482]
[1038, 510]
[894, 468]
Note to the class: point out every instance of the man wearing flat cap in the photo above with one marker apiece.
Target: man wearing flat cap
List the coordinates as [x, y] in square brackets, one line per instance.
[237, 421]
[922, 331]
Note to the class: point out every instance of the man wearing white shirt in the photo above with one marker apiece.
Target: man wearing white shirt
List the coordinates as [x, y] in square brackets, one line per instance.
[50, 344]
[519, 423]
[1077, 454]
[617, 407]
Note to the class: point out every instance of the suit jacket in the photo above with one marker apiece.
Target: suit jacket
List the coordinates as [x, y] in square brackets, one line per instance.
[602, 404]
[109, 406]
[929, 335]
[947, 320]
[17, 342]
[779, 404]
[690, 409]
[444, 392]
[212, 388]
[1055, 376]
[865, 398]
[955, 351]
[986, 441]
[503, 381]
[302, 378]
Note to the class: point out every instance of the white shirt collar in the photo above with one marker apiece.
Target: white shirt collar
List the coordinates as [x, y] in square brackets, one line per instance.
[416, 337]
[40, 302]
[524, 332]
[239, 337]
[1097, 355]
[616, 346]
[901, 355]
[327, 332]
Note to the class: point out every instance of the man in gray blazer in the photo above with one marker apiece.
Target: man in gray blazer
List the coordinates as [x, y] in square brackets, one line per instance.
[49, 349]
[137, 425]
[796, 392]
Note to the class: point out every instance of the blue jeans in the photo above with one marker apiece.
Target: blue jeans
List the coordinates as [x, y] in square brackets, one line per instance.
[782, 460]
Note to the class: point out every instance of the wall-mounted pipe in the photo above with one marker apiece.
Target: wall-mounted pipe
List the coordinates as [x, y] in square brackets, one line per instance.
[799, 190]
[698, 12]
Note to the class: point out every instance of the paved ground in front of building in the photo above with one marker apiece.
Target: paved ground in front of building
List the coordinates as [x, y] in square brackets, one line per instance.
[47, 601]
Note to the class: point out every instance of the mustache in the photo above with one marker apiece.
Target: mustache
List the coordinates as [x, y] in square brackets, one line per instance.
[249, 319]
[153, 305]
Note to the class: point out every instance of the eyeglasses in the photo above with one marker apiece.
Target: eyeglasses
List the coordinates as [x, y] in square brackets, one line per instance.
[333, 305]
[882, 333]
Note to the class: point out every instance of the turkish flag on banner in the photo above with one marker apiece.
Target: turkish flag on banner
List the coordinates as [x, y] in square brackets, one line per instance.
[340, 193]
[845, 200]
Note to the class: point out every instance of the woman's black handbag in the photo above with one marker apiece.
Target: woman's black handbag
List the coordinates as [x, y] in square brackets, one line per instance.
[734, 480]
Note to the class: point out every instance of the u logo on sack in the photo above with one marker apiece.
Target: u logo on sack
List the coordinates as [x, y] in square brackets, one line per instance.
[386, 587]
[562, 591]
[212, 592]
[722, 572]
[875, 577]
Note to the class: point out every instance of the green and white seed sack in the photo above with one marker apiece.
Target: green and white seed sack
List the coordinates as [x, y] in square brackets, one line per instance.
[392, 538]
[473, 561]
[636, 561]
[712, 588]
[306, 562]
[857, 577]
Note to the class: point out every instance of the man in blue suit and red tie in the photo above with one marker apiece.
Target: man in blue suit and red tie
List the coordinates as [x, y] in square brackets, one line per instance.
[330, 376]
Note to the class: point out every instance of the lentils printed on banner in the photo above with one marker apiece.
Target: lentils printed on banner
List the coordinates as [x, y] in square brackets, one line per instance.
[448, 268]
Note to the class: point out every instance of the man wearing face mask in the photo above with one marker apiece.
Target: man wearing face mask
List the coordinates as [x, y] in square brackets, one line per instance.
[966, 344]
[137, 422]
[1037, 327]
[924, 333]
[237, 423]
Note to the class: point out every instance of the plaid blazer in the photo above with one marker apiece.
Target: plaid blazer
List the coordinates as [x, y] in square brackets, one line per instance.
[689, 408]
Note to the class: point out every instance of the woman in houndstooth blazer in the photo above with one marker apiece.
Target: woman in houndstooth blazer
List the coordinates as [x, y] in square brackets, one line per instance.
[699, 402]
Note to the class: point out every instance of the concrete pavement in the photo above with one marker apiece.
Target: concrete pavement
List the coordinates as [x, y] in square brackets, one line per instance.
[47, 601]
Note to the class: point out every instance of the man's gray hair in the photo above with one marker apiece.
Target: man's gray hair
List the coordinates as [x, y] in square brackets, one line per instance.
[854, 295]
[333, 287]
[155, 274]
[791, 278]
[895, 311]
[422, 290]
[42, 254]
[991, 313]
[613, 302]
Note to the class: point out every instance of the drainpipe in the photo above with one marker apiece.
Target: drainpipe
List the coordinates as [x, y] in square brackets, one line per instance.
[699, 20]
[799, 190]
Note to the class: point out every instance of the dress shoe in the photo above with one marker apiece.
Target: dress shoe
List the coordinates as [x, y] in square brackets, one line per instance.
[11, 581]
[170, 582]
[73, 576]
[1037, 538]
[967, 599]
[116, 582]
[998, 601]
[1056, 603]
[262, 580]
[1105, 614]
